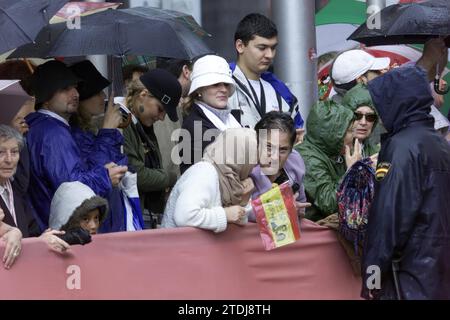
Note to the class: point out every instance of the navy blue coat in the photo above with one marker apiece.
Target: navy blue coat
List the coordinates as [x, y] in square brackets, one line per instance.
[409, 219]
[101, 149]
[54, 159]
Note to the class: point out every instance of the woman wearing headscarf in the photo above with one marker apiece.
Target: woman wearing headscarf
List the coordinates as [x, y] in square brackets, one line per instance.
[215, 191]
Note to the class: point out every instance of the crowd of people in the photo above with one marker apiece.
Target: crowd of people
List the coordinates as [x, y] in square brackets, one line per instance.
[68, 160]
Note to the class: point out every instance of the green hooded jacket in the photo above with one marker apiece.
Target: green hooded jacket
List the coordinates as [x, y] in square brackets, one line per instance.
[356, 97]
[326, 127]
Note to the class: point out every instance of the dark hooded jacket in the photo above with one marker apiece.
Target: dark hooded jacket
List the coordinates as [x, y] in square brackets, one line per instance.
[321, 150]
[409, 220]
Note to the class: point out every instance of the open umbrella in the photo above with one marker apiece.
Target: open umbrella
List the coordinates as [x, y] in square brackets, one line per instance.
[138, 31]
[12, 98]
[21, 20]
[407, 23]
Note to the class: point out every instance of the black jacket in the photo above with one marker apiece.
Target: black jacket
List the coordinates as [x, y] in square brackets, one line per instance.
[409, 218]
[25, 220]
[196, 143]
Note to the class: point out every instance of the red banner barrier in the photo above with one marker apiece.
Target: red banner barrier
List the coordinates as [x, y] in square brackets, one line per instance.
[185, 263]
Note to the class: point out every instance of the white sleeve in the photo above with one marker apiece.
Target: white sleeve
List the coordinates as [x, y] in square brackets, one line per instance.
[195, 205]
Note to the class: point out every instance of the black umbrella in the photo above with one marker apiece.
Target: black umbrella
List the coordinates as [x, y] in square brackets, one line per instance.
[407, 23]
[21, 20]
[137, 31]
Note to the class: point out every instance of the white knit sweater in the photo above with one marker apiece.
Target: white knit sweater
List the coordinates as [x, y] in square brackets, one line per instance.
[195, 201]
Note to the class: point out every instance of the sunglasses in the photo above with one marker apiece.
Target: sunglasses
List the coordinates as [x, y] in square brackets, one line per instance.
[370, 117]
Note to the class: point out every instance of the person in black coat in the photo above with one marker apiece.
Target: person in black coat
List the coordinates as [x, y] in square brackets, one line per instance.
[408, 236]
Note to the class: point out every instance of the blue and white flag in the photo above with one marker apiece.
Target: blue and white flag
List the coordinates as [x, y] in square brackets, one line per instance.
[298, 120]
[133, 213]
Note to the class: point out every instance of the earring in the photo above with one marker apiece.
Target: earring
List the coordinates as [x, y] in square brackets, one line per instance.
[141, 109]
[200, 95]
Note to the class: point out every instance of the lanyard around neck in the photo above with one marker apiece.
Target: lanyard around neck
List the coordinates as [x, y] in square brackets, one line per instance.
[260, 103]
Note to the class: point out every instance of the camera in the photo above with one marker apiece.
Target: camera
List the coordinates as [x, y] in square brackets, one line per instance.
[76, 236]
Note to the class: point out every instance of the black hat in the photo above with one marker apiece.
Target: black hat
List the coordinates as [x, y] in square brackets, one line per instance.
[166, 88]
[50, 77]
[93, 81]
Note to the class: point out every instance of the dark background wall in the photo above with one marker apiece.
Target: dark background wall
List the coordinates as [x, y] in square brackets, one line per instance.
[220, 19]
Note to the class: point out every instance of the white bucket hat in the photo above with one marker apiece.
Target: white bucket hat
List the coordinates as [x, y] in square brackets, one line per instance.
[352, 64]
[210, 70]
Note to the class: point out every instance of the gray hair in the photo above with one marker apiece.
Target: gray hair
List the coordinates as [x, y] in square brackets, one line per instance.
[7, 132]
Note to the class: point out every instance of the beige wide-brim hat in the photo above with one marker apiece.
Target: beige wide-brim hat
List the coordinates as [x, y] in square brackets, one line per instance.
[210, 70]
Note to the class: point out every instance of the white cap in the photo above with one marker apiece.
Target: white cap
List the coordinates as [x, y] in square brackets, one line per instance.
[352, 64]
[210, 70]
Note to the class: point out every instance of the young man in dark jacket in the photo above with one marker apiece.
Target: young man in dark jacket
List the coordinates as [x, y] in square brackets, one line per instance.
[408, 239]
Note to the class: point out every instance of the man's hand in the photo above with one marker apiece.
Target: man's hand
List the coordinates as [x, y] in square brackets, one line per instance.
[20, 125]
[434, 53]
[115, 172]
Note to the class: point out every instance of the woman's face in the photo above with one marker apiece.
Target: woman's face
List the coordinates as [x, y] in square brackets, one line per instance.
[93, 106]
[215, 96]
[148, 109]
[9, 157]
[363, 125]
[274, 150]
[91, 222]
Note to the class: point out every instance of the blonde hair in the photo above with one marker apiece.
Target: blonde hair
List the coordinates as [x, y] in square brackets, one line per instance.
[80, 121]
[134, 88]
[188, 102]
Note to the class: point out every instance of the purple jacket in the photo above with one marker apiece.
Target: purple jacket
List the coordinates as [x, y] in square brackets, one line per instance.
[295, 169]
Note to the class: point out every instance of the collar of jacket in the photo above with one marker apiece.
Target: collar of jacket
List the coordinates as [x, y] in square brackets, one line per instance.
[277, 84]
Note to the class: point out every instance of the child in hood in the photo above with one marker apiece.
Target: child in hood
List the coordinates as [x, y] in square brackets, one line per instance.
[75, 205]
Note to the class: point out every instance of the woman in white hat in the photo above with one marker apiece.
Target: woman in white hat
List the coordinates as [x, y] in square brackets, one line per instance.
[207, 108]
